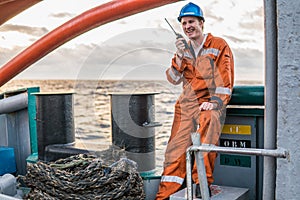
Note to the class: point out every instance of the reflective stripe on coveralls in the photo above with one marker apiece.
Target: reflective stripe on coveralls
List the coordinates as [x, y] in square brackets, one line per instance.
[223, 90]
[209, 78]
[174, 75]
[175, 179]
[212, 51]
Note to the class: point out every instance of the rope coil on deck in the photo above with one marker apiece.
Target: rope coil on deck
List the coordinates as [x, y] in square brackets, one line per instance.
[83, 177]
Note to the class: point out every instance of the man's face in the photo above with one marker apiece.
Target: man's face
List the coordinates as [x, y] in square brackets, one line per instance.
[192, 27]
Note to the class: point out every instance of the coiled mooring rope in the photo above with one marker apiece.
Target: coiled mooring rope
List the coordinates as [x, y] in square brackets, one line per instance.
[83, 177]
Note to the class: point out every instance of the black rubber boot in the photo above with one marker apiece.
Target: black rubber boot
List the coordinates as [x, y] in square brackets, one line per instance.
[198, 191]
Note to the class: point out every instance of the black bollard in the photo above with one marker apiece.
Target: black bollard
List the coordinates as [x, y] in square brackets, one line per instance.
[133, 122]
[54, 119]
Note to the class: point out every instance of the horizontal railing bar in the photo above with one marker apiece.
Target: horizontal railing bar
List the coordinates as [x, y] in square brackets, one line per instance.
[13, 103]
[279, 153]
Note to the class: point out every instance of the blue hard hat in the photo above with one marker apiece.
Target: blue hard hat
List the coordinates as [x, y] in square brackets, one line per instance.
[190, 9]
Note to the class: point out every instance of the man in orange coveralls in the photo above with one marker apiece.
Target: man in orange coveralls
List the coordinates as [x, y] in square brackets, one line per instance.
[205, 67]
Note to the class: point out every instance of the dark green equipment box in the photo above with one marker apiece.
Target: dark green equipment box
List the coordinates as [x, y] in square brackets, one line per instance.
[243, 128]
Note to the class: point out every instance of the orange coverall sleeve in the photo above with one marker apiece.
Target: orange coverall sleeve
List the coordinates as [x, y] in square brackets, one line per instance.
[174, 73]
[224, 77]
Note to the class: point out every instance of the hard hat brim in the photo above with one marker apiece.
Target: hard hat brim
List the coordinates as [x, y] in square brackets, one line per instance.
[179, 18]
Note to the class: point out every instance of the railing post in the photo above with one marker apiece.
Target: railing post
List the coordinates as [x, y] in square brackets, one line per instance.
[200, 167]
[189, 174]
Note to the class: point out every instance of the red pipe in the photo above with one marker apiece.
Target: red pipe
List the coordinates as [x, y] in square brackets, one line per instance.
[10, 8]
[82, 23]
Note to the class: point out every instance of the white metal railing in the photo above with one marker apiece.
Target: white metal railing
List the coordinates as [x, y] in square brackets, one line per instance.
[14, 103]
[197, 149]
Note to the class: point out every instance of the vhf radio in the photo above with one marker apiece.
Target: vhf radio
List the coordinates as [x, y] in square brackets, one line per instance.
[178, 35]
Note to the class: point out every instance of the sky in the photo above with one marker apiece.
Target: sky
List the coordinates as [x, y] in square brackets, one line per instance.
[136, 47]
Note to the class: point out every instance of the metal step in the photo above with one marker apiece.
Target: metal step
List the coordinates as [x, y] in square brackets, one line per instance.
[218, 193]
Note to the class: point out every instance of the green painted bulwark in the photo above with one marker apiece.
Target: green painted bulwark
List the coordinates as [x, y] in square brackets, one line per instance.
[246, 100]
[250, 111]
[31, 117]
[247, 95]
[33, 158]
